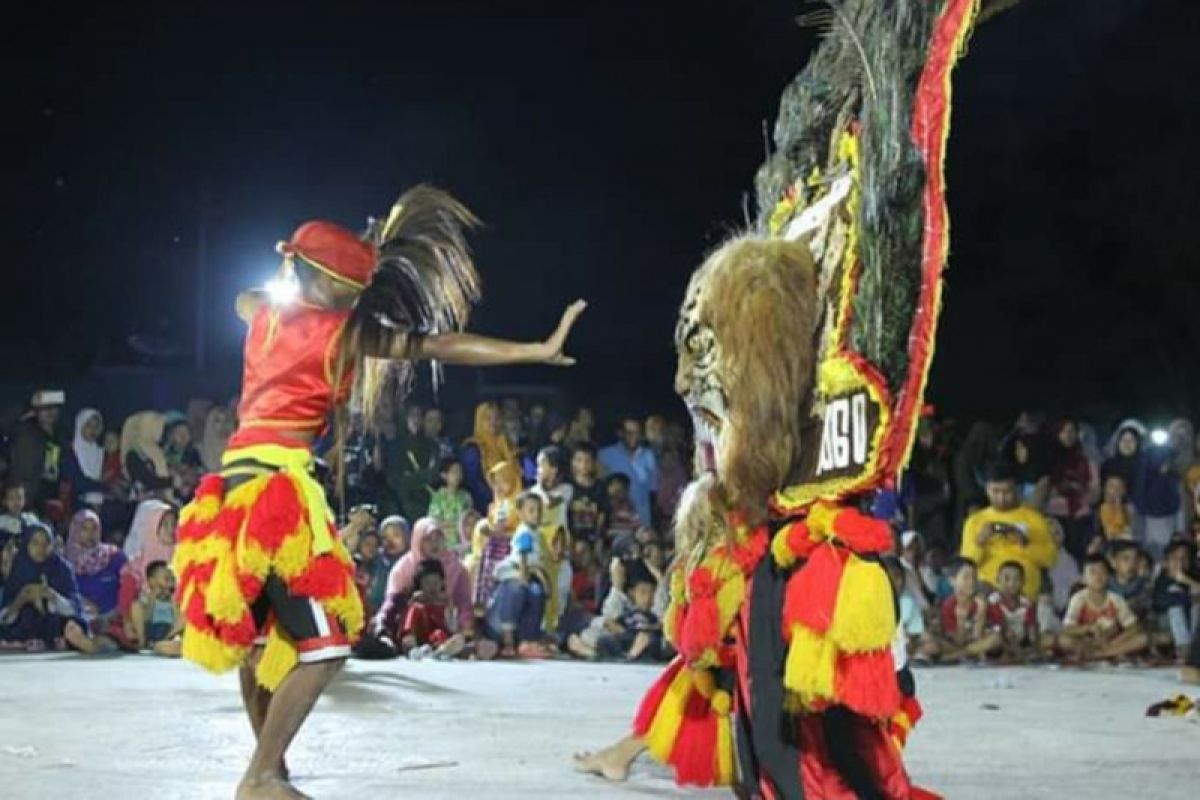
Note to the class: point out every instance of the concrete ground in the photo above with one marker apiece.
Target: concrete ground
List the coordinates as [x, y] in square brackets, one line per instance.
[139, 727]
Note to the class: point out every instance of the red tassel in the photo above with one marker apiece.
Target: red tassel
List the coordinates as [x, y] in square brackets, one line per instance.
[228, 523]
[866, 683]
[702, 621]
[863, 533]
[812, 592]
[694, 755]
[799, 541]
[326, 577]
[251, 588]
[653, 698]
[242, 633]
[276, 513]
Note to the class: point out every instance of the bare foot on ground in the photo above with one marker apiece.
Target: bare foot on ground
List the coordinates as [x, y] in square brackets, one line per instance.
[606, 763]
[270, 787]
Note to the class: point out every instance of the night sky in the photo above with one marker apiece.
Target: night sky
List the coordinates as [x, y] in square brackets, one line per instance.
[607, 146]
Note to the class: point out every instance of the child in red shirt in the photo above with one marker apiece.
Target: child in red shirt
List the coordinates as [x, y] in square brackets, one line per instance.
[1010, 614]
[963, 616]
[425, 632]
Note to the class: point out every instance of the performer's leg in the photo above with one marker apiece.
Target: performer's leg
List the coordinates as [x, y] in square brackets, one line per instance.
[1191, 672]
[614, 761]
[289, 708]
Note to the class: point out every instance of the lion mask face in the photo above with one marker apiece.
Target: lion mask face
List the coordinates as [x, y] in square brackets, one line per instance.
[745, 348]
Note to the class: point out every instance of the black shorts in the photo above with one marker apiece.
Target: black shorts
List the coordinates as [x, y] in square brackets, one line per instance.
[317, 634]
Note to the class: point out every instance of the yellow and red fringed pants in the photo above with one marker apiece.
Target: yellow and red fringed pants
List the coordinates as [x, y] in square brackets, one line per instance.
[264, 515]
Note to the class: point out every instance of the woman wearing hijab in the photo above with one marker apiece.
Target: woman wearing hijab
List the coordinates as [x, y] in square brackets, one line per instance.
[1074, 489]
[429, 542]
[219, 426]
[151, 538]
[183, 462]
[40, 595]
[488, 447]
[142, 455]
[83, 462]
[97, 566]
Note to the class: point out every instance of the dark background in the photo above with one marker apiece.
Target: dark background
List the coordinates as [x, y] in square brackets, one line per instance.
[608, 146]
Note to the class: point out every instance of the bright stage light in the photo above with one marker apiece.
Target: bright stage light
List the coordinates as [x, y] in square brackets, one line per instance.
[1159, 437]
[283, 290]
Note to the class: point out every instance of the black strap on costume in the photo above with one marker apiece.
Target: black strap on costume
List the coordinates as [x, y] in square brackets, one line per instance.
[774, 745]
[235, 473]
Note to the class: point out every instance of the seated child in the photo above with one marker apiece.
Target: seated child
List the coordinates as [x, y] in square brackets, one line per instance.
[1099, 623]
[514, 615]
[1115, 517]
[637, 634]
[154, 622]
[963, 618]
[425, 631]
[1014, 617]
[622, 518]
[449, 503]
[1177, 594]
[1124, 558]
[916, 639]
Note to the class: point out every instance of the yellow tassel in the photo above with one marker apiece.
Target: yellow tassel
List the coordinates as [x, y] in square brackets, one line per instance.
[200, 512]
[729, 598]
[810, 667]
[294, 553]
[660, 738]
[864, 618]
[780, 550]
[820, 520]
[725, 772]
[278, 659]
[210, 652]
[223, 599]
[721, 703]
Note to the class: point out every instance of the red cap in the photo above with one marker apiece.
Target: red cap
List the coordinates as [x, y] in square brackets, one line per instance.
[334, 250]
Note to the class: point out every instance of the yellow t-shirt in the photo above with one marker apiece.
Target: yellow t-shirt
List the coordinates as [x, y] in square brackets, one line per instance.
[1037, 554]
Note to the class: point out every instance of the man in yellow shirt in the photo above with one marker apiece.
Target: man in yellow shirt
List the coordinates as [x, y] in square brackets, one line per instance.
[1008, 531]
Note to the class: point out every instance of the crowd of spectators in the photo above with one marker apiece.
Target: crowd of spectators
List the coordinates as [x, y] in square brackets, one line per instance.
[535, 536]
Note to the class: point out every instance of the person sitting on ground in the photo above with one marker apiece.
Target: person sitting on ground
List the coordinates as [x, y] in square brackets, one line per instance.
[42, 607]
[917, 639]
[1007, 531]
[151, 538]
[97, 566]
[963, 621]
[450, 502]
[428, 543]
[154, 622]
[514, 616]
[83, 461]
[636, 635]
[1014, 617]
[1177, 594]
[426, 631]
[143, 459]
[1126, 580]
[1099, 624]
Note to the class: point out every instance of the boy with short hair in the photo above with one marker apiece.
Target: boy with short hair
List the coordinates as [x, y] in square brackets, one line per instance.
[586, 509]
[1127, 581]
[963, 618]
[155, 623]
[13, 516]
[1099, 623]
[1011, 614]
[636, 635]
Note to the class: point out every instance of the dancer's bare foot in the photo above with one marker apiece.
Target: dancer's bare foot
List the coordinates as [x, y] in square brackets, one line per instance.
[268, 787]
[613, 762]
[1190, 675]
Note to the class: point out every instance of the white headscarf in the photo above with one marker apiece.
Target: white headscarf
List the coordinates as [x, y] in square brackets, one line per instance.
[89, 454]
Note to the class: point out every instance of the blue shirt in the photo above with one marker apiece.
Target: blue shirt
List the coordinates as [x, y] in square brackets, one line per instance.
[642, 469]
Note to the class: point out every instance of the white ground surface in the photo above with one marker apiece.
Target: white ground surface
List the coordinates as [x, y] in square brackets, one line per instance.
[139, 727]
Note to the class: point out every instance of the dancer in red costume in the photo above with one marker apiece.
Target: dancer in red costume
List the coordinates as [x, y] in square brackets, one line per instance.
[264, 584]
[804, 346]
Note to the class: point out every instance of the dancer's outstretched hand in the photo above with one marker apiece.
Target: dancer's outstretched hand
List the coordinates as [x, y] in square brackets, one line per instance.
[558, 340]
